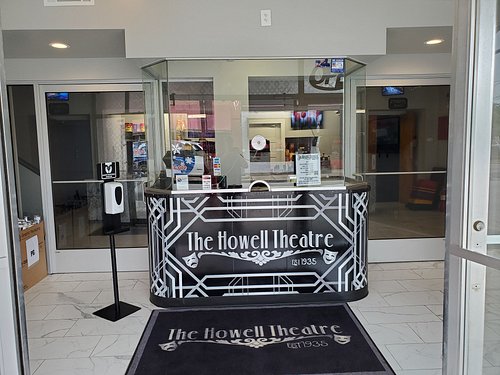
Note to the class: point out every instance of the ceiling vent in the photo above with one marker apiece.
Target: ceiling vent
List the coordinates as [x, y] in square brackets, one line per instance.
[62, 3]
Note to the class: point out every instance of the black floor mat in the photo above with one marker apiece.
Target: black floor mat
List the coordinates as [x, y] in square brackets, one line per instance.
[265, 340]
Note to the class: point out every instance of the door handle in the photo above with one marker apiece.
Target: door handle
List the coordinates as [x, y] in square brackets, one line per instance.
[478, 225]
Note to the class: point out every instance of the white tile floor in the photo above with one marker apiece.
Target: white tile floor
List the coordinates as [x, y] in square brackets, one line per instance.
[403, 314]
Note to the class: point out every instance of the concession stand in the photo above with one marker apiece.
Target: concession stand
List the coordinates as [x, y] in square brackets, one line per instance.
[256, 194]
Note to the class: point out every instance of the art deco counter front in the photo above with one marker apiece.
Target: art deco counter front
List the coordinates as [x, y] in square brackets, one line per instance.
[286, 244]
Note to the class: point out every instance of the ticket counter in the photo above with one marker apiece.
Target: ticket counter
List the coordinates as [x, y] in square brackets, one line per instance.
[240, 243]
[255, 196]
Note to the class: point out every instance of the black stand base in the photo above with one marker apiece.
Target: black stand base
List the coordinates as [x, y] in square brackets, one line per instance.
[115, 312]
[119, 309]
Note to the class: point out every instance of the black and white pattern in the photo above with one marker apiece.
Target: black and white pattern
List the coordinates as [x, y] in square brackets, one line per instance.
[257, 243]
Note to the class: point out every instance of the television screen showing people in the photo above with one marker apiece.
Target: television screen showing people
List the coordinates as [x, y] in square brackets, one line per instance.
[311, 119]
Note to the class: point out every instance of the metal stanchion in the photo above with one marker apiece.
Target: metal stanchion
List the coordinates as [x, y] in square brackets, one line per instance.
[119, 309]
[113, 205]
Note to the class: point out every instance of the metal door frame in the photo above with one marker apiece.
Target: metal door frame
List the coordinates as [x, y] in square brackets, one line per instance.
[468, 184]
[13, 331]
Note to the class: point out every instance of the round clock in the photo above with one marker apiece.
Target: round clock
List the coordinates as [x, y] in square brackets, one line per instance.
[258, 142]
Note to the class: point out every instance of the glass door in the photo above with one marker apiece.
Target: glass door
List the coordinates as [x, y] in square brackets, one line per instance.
[85, 126]
[472, 319]
[406, 166]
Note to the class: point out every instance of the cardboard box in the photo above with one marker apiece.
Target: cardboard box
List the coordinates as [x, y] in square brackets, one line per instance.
[34, 261]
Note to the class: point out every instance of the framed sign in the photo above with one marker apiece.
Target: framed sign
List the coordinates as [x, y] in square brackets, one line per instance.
[108, 170]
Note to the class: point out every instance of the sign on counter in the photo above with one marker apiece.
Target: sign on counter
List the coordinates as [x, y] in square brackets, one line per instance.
[308, 169]
[206, 182]
[182, 182]
[217, 166]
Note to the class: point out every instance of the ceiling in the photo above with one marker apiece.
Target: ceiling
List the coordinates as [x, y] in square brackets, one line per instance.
[412, 39]
[83, 43]
[111, 43]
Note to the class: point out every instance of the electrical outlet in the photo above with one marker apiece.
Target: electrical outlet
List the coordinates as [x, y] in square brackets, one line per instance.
[265, 17]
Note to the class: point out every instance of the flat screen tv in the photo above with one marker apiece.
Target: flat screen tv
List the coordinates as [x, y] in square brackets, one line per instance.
[392, 90]
[311, 119]
[62, 96]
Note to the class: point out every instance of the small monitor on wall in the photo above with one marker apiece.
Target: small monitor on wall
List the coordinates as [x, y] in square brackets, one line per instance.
[63, 96]
[392, 90]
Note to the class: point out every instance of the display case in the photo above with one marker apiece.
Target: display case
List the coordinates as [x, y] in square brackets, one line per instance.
[256, 151]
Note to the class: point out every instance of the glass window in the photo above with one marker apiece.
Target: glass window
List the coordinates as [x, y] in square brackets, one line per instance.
[25, 147]
[87, 128]
[491, 345]
[240, 121]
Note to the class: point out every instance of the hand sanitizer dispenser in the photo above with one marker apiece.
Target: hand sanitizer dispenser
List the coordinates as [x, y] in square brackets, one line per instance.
[113, 198]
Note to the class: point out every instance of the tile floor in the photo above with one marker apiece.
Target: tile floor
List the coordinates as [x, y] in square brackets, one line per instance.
[403, 314]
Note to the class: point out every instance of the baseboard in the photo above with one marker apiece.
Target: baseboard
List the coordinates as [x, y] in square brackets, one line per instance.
[406, 250]
[99, 260]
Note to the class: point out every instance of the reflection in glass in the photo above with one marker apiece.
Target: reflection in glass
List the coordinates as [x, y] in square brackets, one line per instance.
[87, 128]
[406, 158]
[78, 216]
[493, 226]
[24, 135]
[494, 195]
[491, 356]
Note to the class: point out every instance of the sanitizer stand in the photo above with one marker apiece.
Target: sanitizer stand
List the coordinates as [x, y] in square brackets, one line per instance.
[113, 207]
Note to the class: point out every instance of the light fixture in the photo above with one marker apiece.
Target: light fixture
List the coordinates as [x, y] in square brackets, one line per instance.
[59, 45]
[434, 41]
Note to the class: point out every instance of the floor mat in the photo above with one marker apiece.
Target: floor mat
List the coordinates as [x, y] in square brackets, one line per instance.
[263, 340]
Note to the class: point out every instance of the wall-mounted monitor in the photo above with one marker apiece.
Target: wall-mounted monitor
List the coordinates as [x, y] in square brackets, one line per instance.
[61, 96]
[392, 90]
[311, 119]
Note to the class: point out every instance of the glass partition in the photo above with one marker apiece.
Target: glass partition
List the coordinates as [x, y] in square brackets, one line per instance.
[228, 123]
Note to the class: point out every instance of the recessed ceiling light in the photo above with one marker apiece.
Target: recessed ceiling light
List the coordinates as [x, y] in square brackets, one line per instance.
[59, 45]
[434, 41]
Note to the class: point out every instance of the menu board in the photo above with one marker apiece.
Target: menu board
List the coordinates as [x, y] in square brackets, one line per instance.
[308, 169]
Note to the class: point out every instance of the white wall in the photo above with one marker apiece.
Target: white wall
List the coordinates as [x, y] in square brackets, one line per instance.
[407, 65]
[379, 69]
[227, 28]
[81, 70]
